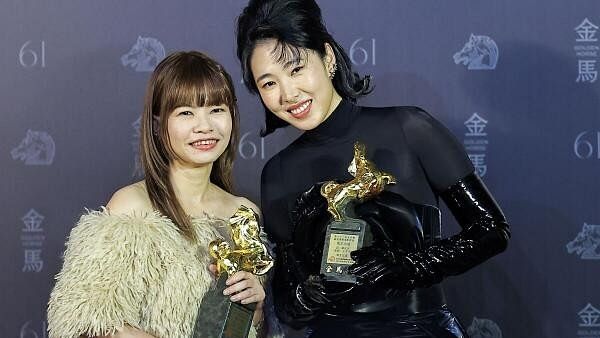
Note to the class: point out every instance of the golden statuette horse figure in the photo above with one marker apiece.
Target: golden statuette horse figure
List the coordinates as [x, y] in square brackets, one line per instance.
[249, 253]
[368, 181]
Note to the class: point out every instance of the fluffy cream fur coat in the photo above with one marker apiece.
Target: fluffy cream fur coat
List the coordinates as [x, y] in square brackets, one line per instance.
[131, 270]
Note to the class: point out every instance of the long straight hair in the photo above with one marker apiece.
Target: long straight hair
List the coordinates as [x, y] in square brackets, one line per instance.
[183, 79]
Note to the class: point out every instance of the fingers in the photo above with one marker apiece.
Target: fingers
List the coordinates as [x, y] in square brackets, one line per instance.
[237, 286]
[379, 274]
[250, 295]
[369, 273]
[359, 270]
[365, 256]
[372, 271]
[365, 263]
[364, 252]
[238, 276]
[245, 288]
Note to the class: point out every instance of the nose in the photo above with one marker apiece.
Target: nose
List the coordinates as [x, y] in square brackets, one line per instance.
[289, 92]
[203, 123]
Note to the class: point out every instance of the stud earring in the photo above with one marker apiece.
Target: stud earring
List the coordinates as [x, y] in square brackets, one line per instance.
[332, 71]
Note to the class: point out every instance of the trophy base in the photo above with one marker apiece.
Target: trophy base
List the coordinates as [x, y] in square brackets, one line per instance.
[341, 239]
[218, 317]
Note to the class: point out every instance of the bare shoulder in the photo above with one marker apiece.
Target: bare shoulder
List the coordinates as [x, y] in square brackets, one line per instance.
[239, 201]
[246, 202]
[130, 199]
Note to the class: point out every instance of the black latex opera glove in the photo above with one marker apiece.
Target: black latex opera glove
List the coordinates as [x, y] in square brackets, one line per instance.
[309, 218]
[309, 206]
[396, 229]
[300, 292]
[298, 299]
[484, 234]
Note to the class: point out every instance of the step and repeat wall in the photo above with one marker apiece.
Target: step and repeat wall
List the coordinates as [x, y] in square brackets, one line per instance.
[516, 81]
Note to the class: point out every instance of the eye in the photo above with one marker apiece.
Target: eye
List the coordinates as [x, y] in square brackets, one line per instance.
[297, 69]
[268, 84]
[185, 113]
[217, 110]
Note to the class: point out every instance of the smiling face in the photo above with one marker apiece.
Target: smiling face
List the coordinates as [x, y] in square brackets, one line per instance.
[296, 88]
[199, 135]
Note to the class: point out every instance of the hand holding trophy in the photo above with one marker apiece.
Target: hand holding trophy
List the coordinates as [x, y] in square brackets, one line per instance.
[218, 316]
[346, 233]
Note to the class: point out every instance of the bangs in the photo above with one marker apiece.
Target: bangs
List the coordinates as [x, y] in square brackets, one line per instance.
[288, 55]
[195, 84]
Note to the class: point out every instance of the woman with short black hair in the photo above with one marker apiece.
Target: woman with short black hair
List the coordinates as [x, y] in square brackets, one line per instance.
[305, 79]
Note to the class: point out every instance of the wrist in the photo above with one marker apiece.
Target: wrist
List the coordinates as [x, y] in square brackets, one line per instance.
[259, 325]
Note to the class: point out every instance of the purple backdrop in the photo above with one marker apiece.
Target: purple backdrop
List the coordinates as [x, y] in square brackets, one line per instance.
[514, 80]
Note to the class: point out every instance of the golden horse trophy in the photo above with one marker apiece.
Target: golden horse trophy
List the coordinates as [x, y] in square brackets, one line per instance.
[218, 317]
[346, 233]
[249, 253]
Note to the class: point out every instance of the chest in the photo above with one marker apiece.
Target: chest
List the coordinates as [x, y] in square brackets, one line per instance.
[311, 164]
[173, 298]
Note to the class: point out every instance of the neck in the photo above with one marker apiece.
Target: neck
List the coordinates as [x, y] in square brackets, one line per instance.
[335, 102]
[191, 184]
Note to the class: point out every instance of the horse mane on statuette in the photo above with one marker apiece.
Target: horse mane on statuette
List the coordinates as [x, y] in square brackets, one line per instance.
[248, 252]
[368, 181]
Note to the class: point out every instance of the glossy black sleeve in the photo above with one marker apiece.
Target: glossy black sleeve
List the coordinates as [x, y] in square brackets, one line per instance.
[485, 233]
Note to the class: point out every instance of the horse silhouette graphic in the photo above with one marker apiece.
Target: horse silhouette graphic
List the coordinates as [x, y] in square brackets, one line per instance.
[587, 242]
[145, 54]
[479, 53]
[37, 148]
[484, 328]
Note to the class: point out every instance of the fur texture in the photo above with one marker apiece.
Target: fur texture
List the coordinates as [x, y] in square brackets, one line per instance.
[131, 270]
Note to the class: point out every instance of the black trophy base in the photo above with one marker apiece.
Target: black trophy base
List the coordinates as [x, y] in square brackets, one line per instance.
[218, 317]
[341, 238]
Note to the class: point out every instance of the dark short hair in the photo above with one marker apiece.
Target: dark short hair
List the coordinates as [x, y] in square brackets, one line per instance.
[295, 25]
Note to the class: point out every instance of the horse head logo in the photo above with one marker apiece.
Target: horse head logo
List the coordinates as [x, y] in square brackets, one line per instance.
[587, 242]
[37, 148]
[484, 328]
[479, 53]
[145, 54]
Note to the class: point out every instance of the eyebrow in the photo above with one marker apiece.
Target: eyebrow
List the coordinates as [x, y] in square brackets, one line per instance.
[286, 65]
[291, 63]
[258, 79]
